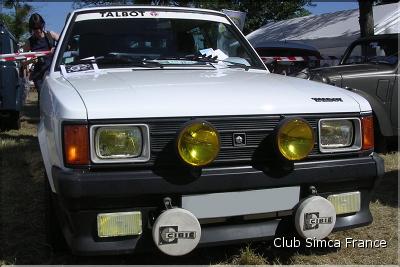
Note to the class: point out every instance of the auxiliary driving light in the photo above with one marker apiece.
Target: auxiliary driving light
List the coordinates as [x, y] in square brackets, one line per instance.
[198, 143]
[346, 202]
[295, 139]
[119, 224]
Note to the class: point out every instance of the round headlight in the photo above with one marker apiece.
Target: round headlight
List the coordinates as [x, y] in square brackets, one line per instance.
[198, 143]
[295, 139]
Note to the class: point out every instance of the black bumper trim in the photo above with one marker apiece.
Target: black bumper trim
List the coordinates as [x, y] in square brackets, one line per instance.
[79, 184]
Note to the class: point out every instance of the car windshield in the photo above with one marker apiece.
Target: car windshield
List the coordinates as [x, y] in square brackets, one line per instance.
[114, 42]
[374, 52]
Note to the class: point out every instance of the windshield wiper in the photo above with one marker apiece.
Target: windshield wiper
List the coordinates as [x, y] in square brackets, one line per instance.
[115, 58]
[209, 59]
[198, 58]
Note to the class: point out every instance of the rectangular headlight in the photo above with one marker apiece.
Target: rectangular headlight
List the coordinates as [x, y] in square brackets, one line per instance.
[120, 143]
[337, 135]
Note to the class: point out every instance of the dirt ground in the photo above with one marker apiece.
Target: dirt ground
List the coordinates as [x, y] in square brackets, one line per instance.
[22, 218]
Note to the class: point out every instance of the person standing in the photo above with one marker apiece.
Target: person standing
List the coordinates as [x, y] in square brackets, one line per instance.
[40, 40]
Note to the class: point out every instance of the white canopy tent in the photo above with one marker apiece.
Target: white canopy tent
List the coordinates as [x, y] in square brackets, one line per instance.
[331, 33]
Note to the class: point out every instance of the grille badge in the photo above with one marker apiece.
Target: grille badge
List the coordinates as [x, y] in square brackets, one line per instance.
[239, 139]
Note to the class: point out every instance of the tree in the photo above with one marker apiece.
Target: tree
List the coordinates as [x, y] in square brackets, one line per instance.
[83, 3]
[17, 21]
[6, 20]
[366, 18]
[258, 12]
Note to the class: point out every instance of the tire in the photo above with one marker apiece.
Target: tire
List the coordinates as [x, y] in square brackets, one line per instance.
[54, 235]
[393, 144]
[10, 120]
[15, 121]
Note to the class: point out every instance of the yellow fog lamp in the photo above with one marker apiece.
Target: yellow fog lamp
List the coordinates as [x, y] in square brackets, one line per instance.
[198, 143]
[119, 224]
[346, 202]
[295, 139]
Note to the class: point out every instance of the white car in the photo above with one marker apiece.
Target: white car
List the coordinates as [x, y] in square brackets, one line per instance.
[161, 128]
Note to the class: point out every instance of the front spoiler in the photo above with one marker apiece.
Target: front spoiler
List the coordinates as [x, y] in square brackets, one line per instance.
[81, 196]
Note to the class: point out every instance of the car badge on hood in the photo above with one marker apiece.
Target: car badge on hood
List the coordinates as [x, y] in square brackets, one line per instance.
[327, 99]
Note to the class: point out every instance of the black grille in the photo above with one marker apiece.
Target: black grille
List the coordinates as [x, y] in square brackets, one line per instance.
[256, 128]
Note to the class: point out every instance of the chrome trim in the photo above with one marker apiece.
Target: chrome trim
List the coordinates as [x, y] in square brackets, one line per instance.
[357, 143]
[143, 157]
[366, 113]
[97, 142]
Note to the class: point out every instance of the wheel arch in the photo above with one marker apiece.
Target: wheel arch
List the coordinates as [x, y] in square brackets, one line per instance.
[381, 115]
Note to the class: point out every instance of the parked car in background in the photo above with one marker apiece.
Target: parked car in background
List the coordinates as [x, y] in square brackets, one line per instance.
[370, 68]
[161, 128]
[13, 85]
[287, 58]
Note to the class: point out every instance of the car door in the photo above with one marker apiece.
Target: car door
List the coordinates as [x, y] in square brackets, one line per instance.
[375, 76]
[378, 82]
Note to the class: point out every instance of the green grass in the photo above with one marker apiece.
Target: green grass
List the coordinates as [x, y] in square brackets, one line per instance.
[391, 161]
[248, 257]
[384, 208]
[22, 219]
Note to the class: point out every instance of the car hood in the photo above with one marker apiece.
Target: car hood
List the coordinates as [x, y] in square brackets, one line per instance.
[352, 69]
[116, 94]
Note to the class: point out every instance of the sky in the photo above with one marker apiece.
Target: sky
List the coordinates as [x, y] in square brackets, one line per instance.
[55, 12]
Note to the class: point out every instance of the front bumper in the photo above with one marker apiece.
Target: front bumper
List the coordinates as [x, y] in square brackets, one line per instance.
[82, 195]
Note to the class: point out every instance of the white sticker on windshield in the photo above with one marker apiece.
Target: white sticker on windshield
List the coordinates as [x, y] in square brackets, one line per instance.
[68, 70]
[207, 52]
[213, 53]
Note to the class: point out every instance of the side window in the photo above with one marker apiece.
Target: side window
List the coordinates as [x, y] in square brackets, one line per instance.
[383, 51]
[373, 49]
[379, 50]
[355, 55]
